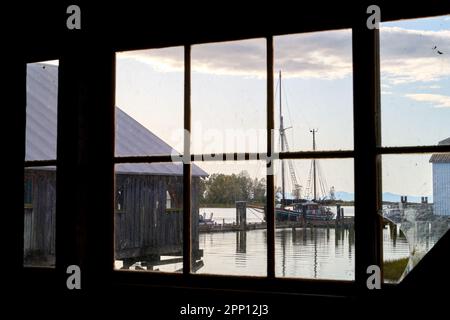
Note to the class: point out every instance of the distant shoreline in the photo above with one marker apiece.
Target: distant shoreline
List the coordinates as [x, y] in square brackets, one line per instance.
[231, 205]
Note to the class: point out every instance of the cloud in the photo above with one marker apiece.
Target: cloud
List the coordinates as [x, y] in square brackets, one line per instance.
[412, 55]
[406, 56]
[438, 100]
[164, 60]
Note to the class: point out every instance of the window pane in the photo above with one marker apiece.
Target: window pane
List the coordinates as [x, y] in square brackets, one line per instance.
[415, 81]
[314, 71]
[416, 209]
[39, 216]
[231, 221]
[40, 182]
[42, 102]
[149, 100]
[229, 97]
[312, 240]
[148, 232]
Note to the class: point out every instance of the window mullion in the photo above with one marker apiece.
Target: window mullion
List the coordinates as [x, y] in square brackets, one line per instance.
[187, 208]
[366, 93]
[270, 208]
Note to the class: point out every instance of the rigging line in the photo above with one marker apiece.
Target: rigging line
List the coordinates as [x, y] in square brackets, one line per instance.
[251, 210]
[324, 183]
[291, 119]
[258, 167]
[310, 180]
[286, 101]
[321, 180]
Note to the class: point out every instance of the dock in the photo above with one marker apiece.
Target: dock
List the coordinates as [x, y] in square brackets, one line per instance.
[241, 224]
[346, 223]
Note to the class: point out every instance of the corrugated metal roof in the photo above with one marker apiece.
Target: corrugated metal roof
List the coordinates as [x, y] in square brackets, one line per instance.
[445, 142]
[441, 157]
[132, 138]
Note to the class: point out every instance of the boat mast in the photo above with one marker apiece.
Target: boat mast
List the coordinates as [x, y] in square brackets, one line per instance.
[314, 164]
[283, 201]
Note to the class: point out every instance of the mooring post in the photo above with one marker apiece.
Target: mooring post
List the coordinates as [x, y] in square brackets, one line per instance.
[241, 214]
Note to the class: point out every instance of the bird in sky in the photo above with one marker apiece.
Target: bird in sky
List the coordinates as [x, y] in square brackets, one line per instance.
[438, 51]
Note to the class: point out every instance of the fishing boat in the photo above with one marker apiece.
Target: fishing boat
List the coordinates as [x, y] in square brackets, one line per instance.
[301, 209]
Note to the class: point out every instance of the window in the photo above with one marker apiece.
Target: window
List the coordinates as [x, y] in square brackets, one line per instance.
[40, 164]
[232, 222]
[149, 123]
[314, 111]
[228, 97]
[280, 112]
[415, 109]
[119, 199]
[168, 200]
[313, 91]
[28, 198]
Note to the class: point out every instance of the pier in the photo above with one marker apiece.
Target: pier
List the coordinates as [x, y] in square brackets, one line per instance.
[241, 222]
[346, 223]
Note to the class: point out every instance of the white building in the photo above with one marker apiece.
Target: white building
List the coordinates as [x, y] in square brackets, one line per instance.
[441, 181]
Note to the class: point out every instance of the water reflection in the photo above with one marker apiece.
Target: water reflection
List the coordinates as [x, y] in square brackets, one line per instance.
[318, 253]
[300, 252]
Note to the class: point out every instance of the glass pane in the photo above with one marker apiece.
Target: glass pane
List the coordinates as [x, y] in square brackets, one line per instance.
[314, 213]
[229, 97]
[415, 81]
[149, 100]
[231, 221]
[314, 72]
[416, 209]
[42, 102]
[39, 216]
[149, 217]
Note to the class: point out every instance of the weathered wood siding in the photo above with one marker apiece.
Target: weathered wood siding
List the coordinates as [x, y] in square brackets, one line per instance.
[143, 225]
[39, 218]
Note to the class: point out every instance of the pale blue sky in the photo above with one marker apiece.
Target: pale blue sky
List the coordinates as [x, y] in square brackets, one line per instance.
[229, 97]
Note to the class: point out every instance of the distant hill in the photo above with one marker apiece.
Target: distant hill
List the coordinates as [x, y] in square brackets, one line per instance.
[344, 196]
[387, 196]
[392, 197]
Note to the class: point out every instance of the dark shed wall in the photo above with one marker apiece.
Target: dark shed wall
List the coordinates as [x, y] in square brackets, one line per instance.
[39, 217]
[144, 225]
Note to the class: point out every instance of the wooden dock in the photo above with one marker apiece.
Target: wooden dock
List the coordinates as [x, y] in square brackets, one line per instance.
[346, 222]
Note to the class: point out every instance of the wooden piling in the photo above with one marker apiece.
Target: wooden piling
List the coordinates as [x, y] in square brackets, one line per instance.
[241, 214]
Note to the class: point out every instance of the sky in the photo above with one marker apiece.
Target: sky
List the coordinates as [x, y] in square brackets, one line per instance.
[229, 98]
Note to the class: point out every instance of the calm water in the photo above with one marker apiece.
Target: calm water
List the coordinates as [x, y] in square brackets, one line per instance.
[305, 252]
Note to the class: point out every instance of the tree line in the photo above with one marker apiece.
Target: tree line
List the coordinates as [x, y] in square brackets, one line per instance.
[225, 190]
